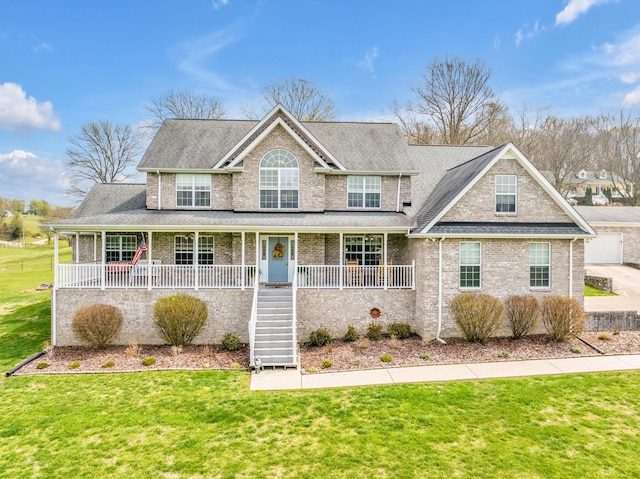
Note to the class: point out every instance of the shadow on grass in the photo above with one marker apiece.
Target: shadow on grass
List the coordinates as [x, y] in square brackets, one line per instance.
[23, 332]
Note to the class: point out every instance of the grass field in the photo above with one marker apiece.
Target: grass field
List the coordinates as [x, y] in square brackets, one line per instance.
[591, 291]
[209, 425]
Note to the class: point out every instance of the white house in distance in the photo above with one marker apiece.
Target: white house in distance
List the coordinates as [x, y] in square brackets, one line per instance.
[285, 226]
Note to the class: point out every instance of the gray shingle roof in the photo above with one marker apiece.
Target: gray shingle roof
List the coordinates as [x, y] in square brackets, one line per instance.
[112, 198]
[200, 144]
[499, 229]
[451, 184]
[610, 214]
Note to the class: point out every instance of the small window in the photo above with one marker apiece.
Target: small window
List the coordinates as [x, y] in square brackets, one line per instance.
[193, 190]
[506, 192]
[539, 265]
[470, 265]
[183, 249]
[120, 247]
[366, 250]
[363, 191]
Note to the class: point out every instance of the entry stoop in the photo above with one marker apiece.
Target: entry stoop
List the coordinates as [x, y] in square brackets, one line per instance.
[274, 342]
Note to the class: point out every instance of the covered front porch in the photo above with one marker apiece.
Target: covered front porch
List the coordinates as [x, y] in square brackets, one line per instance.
[235, 260]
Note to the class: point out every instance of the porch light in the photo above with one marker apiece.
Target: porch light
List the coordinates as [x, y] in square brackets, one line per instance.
[258, 363]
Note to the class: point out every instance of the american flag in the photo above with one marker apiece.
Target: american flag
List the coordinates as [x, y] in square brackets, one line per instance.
[142, 247]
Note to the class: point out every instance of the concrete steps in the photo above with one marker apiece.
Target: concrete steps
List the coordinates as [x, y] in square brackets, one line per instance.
[274, 342]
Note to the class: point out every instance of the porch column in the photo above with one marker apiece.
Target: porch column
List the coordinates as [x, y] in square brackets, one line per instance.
[295, 256]
[149, 260]
[77, 248]
[341, 281]
[95, 248]
[196, 249]
[56, 252]
[102, 259]
[242, 270]
[257, 272]
[384, 264]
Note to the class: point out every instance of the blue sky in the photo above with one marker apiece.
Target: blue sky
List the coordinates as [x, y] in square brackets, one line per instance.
[67, 63]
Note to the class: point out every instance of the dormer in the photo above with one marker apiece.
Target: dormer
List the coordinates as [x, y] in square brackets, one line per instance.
[582, 174]
[602, 174]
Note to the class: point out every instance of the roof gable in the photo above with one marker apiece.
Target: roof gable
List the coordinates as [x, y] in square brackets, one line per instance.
[279, 116]
[459, 180]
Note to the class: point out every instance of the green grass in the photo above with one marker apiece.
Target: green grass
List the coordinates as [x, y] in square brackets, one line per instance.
[209, 425]
[31, 228]
[591, 291]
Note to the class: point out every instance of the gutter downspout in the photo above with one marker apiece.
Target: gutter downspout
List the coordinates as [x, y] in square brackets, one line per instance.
[440, 292]
[571, 267]
[398, 195]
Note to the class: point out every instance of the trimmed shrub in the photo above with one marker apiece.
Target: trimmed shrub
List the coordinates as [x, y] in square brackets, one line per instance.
[399, 330]
[149, 361]
[97, 325]
[326, 364]
[386, 358]
[320, 337]
[231, 342]
[523, 314]
[352, 335]
[74, 365]
[374, 331]
[180, 318]
[43, 365]
[478, 316]
[562, 317]
[108, 364]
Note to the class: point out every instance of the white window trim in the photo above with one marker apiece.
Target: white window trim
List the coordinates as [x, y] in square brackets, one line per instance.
[540, 288]
[193, 190]
[470, 288]
[213, 252]
[515, 194]
[364, 193]
[279, 188]
[120, 250]
[363, 252]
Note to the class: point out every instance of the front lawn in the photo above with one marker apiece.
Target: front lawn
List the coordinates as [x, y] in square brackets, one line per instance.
[591, 291]
[208, 424]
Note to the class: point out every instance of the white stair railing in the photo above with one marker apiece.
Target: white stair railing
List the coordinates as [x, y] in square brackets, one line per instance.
[294, 319]
[253, 321]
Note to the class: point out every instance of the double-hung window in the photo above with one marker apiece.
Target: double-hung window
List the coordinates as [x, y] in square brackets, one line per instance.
[506, 193]
[363, 191]
[539, 265]
[470, 265]
[193, 190]
[366, 250]
[120, 247]
[279, 180]
[183, 250]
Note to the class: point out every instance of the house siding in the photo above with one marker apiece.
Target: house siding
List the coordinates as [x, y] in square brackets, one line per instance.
[534, 205]
[229, 312]
[336, 193]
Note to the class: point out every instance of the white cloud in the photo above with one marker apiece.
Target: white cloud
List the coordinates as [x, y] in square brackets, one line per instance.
[217, 4]
[26, 176]
[526, 33]
[629, 77]
[369, 58]
[624, 54]
[576, 8]
[18, 112]
[632, 98]
[42, 47]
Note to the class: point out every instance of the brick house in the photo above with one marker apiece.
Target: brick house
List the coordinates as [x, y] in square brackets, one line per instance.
[284, 226]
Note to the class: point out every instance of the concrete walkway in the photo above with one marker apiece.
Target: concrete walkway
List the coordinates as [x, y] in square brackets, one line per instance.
[292, 378]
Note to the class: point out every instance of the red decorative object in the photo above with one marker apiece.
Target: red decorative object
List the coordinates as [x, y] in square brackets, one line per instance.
[375, 313]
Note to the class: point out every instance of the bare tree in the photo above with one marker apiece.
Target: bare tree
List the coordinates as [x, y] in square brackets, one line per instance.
[55, 214]
[101, 153]
[299, 96]
[456, 99]
[183, 104]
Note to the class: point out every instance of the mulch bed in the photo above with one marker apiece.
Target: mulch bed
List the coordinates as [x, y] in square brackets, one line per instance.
[362, 354]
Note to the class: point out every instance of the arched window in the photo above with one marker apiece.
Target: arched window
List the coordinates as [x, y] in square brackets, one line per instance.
[279, 180]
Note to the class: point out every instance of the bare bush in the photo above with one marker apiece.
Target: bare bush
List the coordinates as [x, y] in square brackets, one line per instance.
[479, 316]
[180, 318]
[97, 325]
[563, 317]
[523, 314]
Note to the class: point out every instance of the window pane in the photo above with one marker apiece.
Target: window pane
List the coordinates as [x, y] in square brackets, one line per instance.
[540, 265]
[269, 179]
[268, 198]
[506, 193]
[505, 203]
[289, 199]
[203, 198]
[355, 200]
[372, 200]
[469, 276]
[470, 265]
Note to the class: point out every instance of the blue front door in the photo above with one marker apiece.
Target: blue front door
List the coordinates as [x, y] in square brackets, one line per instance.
[278, 259]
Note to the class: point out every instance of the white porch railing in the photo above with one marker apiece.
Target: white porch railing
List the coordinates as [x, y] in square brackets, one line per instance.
[349, 276]
[122, 275]
[252, 323]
